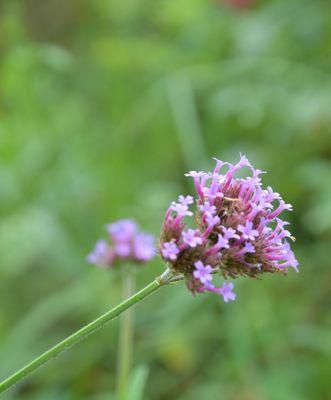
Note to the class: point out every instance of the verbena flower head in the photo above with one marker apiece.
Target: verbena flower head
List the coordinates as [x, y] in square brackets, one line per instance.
[238, 230]
[127, 243]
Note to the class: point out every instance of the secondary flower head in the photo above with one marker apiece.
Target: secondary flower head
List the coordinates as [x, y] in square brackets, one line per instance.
[238, 230]
[126, 244]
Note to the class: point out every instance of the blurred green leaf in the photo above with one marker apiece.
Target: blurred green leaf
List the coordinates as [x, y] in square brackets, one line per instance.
[138, 382]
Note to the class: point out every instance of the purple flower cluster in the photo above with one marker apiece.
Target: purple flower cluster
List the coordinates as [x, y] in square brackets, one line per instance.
[128, 244]
[238, 230]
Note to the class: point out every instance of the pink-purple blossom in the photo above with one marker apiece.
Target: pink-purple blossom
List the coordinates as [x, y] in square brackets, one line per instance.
[170, 250]
[222, 242]
[226, 290]
[192, 237]
[202, 272]
[247, 248]
[212, 220]
[181, 209]
[229, 233]
[238, 230]
[247, 231]
[207, 209]
[185, 200]
[127, 243]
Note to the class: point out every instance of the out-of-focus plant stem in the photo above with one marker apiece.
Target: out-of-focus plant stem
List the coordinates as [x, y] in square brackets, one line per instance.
[126, 337]
[86, 331]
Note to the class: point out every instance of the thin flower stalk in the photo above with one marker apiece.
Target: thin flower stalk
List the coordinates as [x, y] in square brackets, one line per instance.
[126, 338]
[84, 332]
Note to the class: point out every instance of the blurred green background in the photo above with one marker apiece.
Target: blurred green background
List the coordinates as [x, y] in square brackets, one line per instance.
[104, 105]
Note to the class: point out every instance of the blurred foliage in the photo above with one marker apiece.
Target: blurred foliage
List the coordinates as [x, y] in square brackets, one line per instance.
[103, 107]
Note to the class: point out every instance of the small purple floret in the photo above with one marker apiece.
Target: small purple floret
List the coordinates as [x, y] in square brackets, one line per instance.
[181, 209]
[247, 231]
[191, 238]
[208, 209]
[170, 251]
[185, 200]
[223, 242]
[202, 273]
[212, 220]
[226, 290]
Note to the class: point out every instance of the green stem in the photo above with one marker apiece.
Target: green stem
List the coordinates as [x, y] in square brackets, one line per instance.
[85, 331]
[125, 339]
